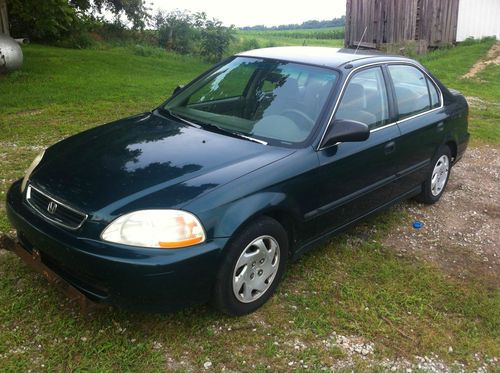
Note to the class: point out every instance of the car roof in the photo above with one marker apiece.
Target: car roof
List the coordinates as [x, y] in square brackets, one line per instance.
[322, 56]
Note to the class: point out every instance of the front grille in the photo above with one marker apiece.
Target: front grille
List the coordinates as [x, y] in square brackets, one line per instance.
[53, 210]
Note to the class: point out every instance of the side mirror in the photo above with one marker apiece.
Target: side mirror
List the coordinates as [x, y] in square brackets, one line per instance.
[342, 130]
[177, 89]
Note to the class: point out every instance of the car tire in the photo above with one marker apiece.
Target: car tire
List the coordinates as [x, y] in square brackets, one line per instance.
[252, 268]
[437, 179]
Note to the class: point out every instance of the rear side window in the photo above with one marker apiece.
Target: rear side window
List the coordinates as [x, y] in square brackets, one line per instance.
[365, 99]
[434, 94]
[412, 90]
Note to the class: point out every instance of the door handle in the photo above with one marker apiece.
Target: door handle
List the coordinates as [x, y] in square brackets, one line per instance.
[440, 127]
[389, 147]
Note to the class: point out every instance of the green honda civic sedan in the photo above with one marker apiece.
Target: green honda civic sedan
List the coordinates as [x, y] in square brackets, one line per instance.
[250, 165]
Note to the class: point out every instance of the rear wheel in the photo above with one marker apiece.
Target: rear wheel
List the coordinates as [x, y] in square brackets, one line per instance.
[436, 181]
[254, 264]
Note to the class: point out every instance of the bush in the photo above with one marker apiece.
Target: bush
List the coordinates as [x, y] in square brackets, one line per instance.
[215, 40]
[176, 31]
[147, 51]
[184, 32]
[249, 44]
[76, 40]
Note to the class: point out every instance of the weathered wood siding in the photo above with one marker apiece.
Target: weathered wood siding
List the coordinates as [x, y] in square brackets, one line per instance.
[393, 21]
[438, 20]
[4, 22]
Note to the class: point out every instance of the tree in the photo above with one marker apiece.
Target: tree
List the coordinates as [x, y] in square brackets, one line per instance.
[134, 10]
[46, 20]
[52, 20]
[215, 38]
[176, 30]
[185, 32]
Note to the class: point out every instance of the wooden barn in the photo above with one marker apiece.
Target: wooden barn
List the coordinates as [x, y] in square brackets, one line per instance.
[429, 23]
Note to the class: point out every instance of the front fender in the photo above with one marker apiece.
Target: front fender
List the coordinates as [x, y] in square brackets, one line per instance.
[280, 190]
[246, 209]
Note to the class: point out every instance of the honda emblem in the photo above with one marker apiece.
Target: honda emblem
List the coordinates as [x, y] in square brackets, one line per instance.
[52, 207]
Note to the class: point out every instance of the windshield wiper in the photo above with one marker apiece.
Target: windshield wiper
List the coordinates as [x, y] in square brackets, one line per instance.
[213, 127]
[249, 138]
[178, 117]
[233, 133]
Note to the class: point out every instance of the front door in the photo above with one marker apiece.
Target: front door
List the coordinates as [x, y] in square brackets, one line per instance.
[355, 178]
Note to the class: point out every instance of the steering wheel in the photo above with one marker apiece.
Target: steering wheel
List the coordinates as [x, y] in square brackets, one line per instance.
[305, 122]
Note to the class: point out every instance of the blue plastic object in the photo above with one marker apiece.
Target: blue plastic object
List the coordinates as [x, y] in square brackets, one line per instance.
[417, 224]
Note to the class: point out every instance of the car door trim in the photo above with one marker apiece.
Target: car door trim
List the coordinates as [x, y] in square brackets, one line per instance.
[380, 63]
[308, 245]
[413, 168]
[350, 197]
[366, 190]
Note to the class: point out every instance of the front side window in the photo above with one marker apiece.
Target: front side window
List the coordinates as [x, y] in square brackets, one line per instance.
[412, 90]
[365, 99]
[275, 101]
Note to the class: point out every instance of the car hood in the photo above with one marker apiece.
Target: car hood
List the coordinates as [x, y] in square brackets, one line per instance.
[146, 161]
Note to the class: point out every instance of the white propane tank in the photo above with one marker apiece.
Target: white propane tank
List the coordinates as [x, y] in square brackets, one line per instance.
[11, 55]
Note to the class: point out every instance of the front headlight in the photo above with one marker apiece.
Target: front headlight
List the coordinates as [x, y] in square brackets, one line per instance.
[30, 169]
[170, 229]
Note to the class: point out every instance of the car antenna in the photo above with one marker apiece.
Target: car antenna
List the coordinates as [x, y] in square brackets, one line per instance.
[360, 40]
[348, 65]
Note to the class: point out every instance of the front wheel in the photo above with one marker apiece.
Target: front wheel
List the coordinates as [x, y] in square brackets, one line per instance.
[254, 264]
[436, 181]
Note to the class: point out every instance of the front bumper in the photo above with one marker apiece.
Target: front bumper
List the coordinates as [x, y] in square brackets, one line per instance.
[117, 274]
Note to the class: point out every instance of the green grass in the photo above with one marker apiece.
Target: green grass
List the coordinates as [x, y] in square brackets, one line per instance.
[59, 92]
[352, 285]
[251, 39]
[449, 65]
[317, 33]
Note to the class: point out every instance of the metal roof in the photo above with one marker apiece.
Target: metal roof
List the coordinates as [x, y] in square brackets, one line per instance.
[323, 56]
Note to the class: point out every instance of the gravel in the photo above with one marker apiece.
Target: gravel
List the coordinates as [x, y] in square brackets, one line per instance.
[460, 232]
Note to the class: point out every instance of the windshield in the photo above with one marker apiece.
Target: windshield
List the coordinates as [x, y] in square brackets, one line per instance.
[273, 101]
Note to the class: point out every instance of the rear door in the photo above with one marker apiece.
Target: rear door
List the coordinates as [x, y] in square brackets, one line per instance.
[421, 120]
[357, 177]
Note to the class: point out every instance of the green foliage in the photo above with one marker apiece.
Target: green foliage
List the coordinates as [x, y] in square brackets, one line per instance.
[176, 31]
[147, 51]
[68, 22]
[312, 24]
[47, 20]
[249, 44]
[245, 40]
[319, 34]
[185, 32]
[450, 65]
[215, 39]
[135, 10]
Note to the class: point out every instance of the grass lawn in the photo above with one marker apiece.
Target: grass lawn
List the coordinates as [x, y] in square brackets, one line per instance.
[251, 39]
[450, 65]
[352, 286]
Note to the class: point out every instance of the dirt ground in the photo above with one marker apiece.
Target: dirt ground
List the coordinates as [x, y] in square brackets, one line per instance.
[461, 232]
[492, 57]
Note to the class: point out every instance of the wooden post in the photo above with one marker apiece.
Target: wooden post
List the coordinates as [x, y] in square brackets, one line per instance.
[4, 21]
